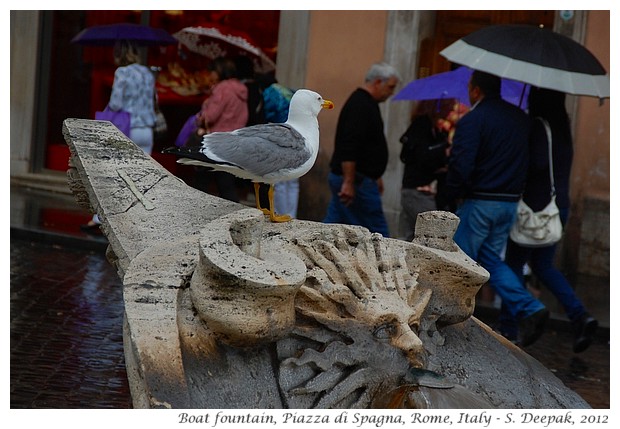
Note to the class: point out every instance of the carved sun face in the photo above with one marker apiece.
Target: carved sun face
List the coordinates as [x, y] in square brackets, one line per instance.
[395, 322]
[358, 315]
[361, 277]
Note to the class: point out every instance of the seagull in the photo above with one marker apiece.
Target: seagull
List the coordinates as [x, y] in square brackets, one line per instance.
[264, 153]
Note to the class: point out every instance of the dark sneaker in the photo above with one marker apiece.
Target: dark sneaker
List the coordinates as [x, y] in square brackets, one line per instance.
[584, 328]
[532, 327]
[506, 333]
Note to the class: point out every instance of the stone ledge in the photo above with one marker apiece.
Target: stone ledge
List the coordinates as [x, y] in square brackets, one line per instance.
[53, 182]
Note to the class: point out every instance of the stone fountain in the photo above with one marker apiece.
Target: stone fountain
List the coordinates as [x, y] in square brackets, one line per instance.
[224, 309]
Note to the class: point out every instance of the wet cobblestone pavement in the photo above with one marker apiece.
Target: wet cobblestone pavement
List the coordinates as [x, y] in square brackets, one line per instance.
[586, 373]
[66, 329]
[66, 335]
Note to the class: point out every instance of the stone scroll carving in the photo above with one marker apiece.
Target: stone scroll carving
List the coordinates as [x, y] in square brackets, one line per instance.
[244, 294]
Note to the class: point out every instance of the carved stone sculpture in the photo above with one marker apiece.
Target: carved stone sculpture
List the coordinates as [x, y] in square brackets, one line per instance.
[340, 301]
[225, 310]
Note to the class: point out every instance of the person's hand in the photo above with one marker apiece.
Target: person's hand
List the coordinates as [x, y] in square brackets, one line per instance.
[201, 124]
[347, 193]
[427, 189]
[380, 185]
[199, 119]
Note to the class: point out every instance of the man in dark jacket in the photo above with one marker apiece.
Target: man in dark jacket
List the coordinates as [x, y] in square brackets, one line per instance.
[487, 169]
[361, 154]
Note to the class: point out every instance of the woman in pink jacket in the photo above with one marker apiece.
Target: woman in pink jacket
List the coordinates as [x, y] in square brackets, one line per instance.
[226, 109]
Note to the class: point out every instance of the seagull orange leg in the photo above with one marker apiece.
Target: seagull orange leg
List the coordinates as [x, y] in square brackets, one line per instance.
[272, 214]
[257, 196]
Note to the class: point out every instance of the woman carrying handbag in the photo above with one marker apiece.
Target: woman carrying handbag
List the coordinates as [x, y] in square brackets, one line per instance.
[550, 106]
[133, 92]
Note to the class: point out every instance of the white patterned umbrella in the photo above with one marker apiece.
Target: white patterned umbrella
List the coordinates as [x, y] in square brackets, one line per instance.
[213, 42]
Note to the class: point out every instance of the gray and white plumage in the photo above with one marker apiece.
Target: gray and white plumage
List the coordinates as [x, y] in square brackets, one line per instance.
[265, 153]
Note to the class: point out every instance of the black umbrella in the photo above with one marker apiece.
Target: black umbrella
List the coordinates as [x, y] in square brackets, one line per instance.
[532, 55]
[108, 35]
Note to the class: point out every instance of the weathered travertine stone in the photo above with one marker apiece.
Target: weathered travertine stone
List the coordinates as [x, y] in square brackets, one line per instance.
[244, 297]
[225, 310]
[455, 277]
[435, 229]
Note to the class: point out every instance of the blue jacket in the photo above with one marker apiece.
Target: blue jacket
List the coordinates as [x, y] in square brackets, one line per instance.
[489, 156]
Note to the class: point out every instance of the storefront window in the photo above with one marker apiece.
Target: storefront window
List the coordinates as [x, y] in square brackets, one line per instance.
[79, 79]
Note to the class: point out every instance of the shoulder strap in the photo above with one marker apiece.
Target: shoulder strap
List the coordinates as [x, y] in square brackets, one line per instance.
[550, 142]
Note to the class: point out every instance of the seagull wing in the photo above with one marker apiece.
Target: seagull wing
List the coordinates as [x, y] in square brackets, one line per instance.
[259, 149]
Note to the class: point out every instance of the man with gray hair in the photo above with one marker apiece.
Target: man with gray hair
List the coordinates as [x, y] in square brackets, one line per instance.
[361, 154]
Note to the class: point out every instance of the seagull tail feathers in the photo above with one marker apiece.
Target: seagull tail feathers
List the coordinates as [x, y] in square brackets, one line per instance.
[184, 151]
[192, 155]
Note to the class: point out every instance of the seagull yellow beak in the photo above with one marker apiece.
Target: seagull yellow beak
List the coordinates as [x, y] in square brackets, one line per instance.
[327, 105]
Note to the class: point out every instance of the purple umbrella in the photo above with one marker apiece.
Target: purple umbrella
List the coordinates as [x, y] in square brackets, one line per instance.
[108, 35]
[453, 84]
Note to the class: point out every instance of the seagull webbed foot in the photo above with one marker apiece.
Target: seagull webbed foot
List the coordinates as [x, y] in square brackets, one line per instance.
[279, 218]
[272, 214]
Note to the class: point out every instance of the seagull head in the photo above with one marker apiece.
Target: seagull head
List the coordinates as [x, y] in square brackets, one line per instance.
[306, 102]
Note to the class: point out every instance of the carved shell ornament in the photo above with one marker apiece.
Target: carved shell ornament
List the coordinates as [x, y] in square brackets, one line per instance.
[361, 277]
[358, 314]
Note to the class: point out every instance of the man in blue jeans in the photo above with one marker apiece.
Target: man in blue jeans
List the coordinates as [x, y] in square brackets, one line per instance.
[487, 169]
[361, 154]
